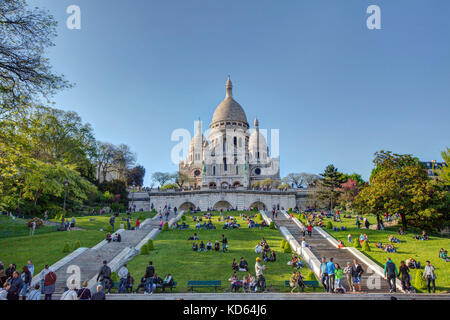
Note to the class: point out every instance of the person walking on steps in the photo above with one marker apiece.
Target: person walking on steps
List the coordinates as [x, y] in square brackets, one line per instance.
[104, 276]
[390, 274]
[324, 274]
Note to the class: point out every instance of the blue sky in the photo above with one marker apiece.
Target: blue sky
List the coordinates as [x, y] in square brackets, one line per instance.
[337, 91]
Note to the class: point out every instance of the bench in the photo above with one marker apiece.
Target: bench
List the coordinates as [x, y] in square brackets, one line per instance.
[204, 284]
[171, 287]
[309, 283]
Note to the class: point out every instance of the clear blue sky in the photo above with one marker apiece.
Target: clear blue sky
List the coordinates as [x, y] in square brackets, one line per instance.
[337, 91]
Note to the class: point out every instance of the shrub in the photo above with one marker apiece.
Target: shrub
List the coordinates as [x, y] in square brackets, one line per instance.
[259, 216]
[141, 217]
[150, 246]
[165, 226]
[272, 225]
[356, 243]
[419, 282]
[37, 221]
[114, 277]
[287, 247]
[283, 243]
[365, 246]
[329, 225]
[255, 209]
[109, 228]
[310, 276]
[76, 245]
[183, 218]
[144, 249]
[66, 248]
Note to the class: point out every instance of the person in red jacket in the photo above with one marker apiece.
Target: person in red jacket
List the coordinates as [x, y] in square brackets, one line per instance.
[49, 284]
[138, 223]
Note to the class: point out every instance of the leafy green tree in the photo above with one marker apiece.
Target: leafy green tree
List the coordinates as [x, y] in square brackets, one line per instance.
[331, 183]
[399, 184]
[444, 172]
[25, 73]
[136, 176]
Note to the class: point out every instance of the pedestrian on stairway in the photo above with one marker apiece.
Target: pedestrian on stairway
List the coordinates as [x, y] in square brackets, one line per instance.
[348, 274]
[390, 274]
[357, 272]
[331, 276]
[123, 273]
[104, 276]
[111, 222]
[404, 276]
[324, 274]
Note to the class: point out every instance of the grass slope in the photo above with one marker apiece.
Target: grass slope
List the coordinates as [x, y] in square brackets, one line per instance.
[173, 254]
[18, 227]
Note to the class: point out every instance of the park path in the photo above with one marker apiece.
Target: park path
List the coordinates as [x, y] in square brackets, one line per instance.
[321, 247]
[92, 259]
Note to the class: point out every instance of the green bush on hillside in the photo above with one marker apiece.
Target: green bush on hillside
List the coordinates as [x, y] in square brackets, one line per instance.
[183, 218]
[76, 245]
[272, 225]
[114, 277]
[287, 247]
[149, 245]
[66, 248]
[165, 226]
[419, 282]
[259, 216]
[144, 250]
[365, 246]
[282, 244]
[310, 276]
[329, 225]
[356, 243]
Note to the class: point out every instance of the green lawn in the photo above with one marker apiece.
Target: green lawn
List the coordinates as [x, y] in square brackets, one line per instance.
[44, 248]
[173, 254]
[409, 247]
[18, 227]
[98, 222]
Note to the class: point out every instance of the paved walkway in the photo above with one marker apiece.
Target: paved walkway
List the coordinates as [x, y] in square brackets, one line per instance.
[91, 260]
[321, 247]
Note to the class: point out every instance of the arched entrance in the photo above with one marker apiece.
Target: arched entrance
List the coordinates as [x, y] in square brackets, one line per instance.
[186, 206]
[236, 184]
[259, 205]
[224, 185]
[224, 205]
[212, 185]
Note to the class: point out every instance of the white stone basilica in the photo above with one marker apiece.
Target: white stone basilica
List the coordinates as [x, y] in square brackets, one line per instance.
[231, 157]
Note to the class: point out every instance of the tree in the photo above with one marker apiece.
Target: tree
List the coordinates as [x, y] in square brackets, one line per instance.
[444, 172]
[399, 184]
[330, 182]
[136, 176]
[300, 180]
[181, 179]
[348, 190]
[105, 159]
[25, 74]
[124, 159]
[162, 177]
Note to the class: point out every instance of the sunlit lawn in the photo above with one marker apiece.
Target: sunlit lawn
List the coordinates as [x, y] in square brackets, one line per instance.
[409, 247]
[173, 254]
[18, 227]
[44, 248]
[101, 222]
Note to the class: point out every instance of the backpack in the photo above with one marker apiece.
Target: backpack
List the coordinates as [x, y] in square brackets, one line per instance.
[106, 272]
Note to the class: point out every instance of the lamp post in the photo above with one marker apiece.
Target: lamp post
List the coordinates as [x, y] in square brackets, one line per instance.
[132, 198]
[66, 185]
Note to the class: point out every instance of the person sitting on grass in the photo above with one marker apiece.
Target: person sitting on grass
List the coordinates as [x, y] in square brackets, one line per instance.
[245, 284]
[340, 244]
[273, 256]
[202, 247]
[197, 226]
[258, 248]
[216, 246]
[234, 283]
[393, 239]
[243, 265]
[108, 237]
[412, 264]
[209, 245]
[234, 265]
[194, 237]
[400, 231]
[194, 246]
[265, 258]
[390, 249]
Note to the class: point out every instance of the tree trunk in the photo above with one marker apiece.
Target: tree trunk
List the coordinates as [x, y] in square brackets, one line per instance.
[404, 222]
[378, 222]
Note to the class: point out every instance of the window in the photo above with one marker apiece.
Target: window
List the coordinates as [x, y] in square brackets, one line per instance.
[240, 142]
[257, 171]
[196, 173]
[214, 171]
[225, 164]
[235, 141]
[237, 169]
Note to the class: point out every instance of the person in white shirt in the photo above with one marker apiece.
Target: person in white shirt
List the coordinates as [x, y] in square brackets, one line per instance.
[123, 273]
[304, 244]
[35, 294]
[70, 294]
[258, 248]
[430, 276]
[261, 282]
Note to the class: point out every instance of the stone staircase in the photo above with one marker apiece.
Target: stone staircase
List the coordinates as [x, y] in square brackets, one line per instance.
[321, 247]
[92, 259]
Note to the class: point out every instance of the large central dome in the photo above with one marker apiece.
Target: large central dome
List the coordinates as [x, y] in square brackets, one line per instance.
[229, 109]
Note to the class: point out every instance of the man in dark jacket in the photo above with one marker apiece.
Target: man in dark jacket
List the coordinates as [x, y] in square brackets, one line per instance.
[243, 265]
[104, 276]
[390, 274]
[357, 272]
[16, 287]
[99, 295]
[149, 272]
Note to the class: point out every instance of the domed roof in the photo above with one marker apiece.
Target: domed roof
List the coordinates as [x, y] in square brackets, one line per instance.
[229, 109]
[253, 141]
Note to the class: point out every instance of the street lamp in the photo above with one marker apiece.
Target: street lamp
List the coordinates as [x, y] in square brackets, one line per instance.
[66, 185]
